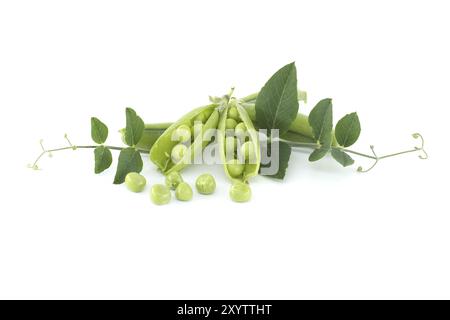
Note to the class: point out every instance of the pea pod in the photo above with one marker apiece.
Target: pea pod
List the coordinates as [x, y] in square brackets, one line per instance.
[151, 133]
[231, 164]
[299, 131]
[161, 151]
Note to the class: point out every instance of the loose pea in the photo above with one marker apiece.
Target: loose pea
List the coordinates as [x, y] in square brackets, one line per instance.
[183, 192]
[235, 168]
[230, 124]
[160, 194]
[178, 152]
[205, 184]
[173, 179]
[135, 182]
[240, 192]
[182, 133]
[240, 130]
[248, 151]
[233, 113]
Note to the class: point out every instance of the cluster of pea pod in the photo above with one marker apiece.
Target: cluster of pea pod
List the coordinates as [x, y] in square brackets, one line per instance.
[173, 146]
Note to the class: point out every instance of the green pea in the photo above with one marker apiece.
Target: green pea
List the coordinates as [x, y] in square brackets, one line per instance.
[230, 124]
[230, 146]
[235, 168]
[183, 192]
[178, 152]
[197, 129]
[173, 179]
[240, 192]
[248, 151]
[160, 194]
[233, 113]
[182, 133]
[205, 184]
[240, 130]
[135, 182]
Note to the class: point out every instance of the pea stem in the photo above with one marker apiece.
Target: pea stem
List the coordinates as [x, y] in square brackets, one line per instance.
[74, 147]
[375, 157]
[252, 97]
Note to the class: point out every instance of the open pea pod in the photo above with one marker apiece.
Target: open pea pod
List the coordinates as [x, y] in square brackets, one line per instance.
[161, 151]
[244, 140]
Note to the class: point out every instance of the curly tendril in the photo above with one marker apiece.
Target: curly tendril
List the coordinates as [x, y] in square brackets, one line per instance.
[423, 154]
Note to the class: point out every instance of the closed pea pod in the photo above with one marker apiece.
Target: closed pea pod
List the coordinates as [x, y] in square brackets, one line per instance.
[162, 150]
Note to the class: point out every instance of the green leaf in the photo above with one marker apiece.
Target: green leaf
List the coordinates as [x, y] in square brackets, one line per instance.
[284, 156]
[277, 104]
[103, 159]
[342, 157]
[129, 161]
[321, 121]
[99, 131]
[318, 154]
[134, 128]
[348, 130]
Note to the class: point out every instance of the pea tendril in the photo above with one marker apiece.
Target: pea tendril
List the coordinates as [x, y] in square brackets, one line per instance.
[423, 154]
[71, 146]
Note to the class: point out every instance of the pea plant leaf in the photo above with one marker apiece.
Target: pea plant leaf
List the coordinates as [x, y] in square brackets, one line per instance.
[99, 131]
[342, 157]
[134, 127]
[277, 103]
[129, 161]
[321, 121]
[348, 129]
[284, 152]
[103, 159]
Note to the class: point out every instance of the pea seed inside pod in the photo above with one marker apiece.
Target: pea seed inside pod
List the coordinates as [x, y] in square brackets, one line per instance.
[135, 182]
[235, 168]
[230, 124]
[173, 179]
[240, 130]
[178, 153]
[182, 133]
[231, 144]
[248, 152]
[160, 194]
[197, 129]
[184, 192]
[240, 192]
[233, 113]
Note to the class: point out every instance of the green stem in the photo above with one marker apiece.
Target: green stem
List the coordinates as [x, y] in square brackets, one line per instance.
[373, 157]
[302, 96]
[73, 147]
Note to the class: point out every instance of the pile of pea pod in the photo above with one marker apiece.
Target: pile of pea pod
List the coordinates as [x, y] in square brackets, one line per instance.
[173, 146]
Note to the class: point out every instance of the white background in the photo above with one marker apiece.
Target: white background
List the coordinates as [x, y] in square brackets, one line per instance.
[324, 232]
